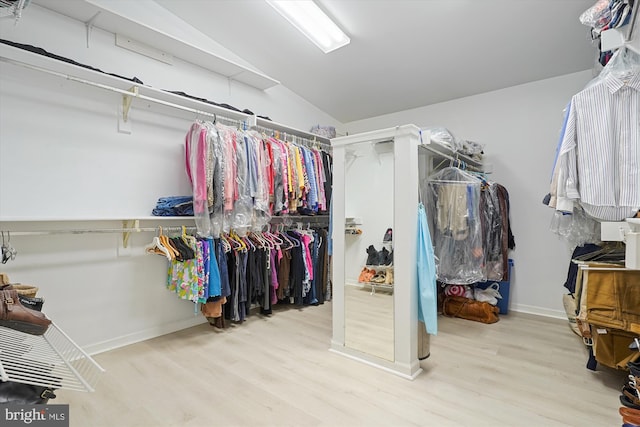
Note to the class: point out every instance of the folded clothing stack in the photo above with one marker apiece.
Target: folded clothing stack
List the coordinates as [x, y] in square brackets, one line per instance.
[174, 206]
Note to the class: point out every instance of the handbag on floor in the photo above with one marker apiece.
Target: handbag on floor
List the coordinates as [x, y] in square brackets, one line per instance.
[469, 309]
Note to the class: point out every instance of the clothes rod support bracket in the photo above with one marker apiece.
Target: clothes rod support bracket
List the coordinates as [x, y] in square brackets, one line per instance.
[127, 229]
[126, 102]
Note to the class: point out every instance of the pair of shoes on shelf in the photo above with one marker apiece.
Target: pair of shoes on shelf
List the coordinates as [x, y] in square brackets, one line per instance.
[383, 277]
[16, 316]
[366, 275]
[375, 257]
[380, 278]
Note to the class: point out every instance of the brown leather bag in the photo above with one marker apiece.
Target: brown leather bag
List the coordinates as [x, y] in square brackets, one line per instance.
[469, 309]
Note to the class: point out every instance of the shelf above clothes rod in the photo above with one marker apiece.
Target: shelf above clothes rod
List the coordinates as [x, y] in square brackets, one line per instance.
[439, 150]
[127, 88]
[131, 91]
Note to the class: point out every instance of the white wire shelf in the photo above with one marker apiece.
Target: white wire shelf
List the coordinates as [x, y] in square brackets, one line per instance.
[49, 360]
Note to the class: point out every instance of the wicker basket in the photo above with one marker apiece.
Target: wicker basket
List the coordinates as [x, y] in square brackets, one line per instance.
[25, 290]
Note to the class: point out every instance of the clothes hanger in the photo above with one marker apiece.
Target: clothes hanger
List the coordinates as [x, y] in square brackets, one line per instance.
[285, 239]
[167, 244]
[250, 245]
[276, 240]
[156, 247]
[8, 251]
[233, 244]
[260, 242]
[226, 246]
[609, 252]
[242, 246]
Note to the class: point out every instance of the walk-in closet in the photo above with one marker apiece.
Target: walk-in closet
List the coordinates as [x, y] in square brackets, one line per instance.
[317, 212]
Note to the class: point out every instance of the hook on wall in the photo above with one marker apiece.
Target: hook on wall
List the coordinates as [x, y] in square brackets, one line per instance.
[8, 251]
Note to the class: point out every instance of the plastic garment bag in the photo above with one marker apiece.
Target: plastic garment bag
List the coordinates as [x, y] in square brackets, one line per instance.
[196, 154]
[217, 167]
[492, 224]
[261, 193]
[624, 64]
[453, 198]
[427, 293]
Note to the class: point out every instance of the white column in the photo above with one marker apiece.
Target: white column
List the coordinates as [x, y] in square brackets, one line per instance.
[404, 246]
[337, 270]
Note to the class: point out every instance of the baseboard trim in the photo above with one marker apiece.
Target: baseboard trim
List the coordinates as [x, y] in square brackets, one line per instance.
[143, 335]
[539, 311]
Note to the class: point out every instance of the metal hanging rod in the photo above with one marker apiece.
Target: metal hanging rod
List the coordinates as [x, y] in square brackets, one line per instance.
[172, 229]
[228, 121]
[284, 219]
[296, 139]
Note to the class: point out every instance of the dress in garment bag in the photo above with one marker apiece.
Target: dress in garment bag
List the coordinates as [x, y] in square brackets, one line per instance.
[427, 294]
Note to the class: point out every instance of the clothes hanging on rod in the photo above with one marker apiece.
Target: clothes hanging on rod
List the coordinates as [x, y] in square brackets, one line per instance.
[496, 230]
[242, 178]
[294, 272]
[470, 227]
[453, 198]
[605, 15]
[232, 274]
[598, 165]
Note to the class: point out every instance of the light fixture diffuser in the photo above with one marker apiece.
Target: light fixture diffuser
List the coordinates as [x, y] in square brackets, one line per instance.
[311, 21]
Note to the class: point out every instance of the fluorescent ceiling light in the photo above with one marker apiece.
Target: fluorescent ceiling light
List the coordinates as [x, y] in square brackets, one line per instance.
[307, 17]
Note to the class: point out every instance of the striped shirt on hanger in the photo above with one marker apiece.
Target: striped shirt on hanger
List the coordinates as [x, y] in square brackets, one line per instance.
[599, 160]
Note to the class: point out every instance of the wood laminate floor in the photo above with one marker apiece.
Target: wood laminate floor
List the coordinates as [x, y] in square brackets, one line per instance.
[277, 371]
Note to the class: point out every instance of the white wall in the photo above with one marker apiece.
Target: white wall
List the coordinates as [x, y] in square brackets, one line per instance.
[519, 127]
[62, 157]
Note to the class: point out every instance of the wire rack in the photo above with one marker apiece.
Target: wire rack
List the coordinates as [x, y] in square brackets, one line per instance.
[50, 360]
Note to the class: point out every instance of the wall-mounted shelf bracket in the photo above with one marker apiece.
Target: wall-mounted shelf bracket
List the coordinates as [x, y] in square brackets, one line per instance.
[89, 25]
[126, 102]
[134, 226]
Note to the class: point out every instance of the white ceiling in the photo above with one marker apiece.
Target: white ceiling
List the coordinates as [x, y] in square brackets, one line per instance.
[403, 53]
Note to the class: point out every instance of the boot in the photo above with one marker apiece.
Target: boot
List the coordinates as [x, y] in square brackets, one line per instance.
[16, 316]
[373, 258]
[28, 302]
[386, 257]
